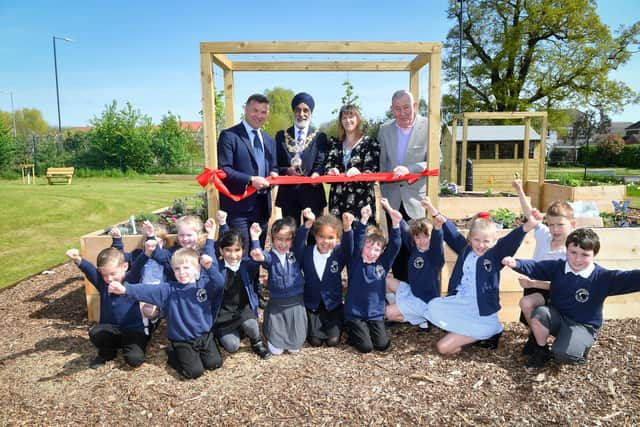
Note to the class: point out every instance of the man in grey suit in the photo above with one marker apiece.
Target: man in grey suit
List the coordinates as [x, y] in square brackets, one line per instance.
[403, 150]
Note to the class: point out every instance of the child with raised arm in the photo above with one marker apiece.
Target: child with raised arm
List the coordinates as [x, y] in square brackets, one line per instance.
[190, 304]
[578, 288]
[470, 311]
[550, 244]
[239, 310]
[285, 318]
[368, 268]
[425, 246]
[121, 325]
[322, 265]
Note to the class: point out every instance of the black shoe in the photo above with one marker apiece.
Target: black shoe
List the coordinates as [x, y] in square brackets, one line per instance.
[529, 346]
[539, 358]
[172, 360]
[99, 361]
[261, 350]
[490, 343]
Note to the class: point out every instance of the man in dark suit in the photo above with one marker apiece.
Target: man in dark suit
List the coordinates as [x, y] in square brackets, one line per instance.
[301, 151]
[248, 155]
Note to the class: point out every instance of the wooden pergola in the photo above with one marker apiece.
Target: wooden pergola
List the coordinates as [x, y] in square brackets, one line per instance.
[426, 53]
[526, 118]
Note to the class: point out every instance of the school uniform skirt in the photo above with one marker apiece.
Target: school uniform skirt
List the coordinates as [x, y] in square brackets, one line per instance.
[285, 322]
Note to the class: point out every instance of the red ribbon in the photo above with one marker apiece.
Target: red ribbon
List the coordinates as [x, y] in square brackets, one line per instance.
[216, 177]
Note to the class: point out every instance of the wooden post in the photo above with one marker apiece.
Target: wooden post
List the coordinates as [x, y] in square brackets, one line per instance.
[433, 182]
[209, 116]
[525, 149]
[541, 160]
[463, 152]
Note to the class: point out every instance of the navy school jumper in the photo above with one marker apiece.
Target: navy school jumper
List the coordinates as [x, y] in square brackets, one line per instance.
[365, 298]
[327, 289]
[424, 267]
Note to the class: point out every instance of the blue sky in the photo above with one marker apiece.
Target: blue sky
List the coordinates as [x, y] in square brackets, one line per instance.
[147, 52]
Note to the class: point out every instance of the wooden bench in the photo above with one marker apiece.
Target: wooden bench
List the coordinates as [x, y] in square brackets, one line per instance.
[59, 173]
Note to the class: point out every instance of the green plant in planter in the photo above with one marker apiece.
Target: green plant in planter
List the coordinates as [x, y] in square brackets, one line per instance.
[504, 216]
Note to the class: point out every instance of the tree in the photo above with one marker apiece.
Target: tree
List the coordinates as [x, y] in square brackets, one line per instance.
[172, 144]
[29, 121]
[537, 54]
[349, 97]
[280, 114]
[6, 145]
[121, 139]
[609, 147]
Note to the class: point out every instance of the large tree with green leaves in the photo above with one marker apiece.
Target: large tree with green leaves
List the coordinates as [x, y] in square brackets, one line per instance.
[172, 145]
[520, 55]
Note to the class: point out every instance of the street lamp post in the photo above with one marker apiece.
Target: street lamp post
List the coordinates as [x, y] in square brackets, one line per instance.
[55, 66]
[13, 112]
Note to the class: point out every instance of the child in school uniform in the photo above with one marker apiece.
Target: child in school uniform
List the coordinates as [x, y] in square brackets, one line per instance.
[550, 244]
[470, 311]
[368, 268]
[239, 309]
[189, 229]
[190, 304]
[121, 325]
[322, 265]
[578, 289]
[285, 318]
[408, 300]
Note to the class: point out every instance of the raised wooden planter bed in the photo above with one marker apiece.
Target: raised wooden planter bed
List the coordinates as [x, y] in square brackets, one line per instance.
[601, 194]
[619, 249]
[465, 206]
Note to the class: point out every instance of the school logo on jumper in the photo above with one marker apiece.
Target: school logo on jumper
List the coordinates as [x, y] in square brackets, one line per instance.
[487, 265]
[201, 295]
[582, 295]
[418, 262]
[334, 266]
[379, 271]
[291, 257]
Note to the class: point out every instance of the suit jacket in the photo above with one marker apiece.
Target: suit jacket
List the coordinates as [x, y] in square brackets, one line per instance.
[313, 158]
[415, 159]
[237, 159]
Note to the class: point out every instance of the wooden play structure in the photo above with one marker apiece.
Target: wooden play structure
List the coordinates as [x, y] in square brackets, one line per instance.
[495, 160]
[423, 53]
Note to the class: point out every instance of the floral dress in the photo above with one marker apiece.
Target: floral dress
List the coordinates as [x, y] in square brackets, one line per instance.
[353, 196]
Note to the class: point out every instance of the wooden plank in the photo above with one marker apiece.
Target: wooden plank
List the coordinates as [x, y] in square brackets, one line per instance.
[209, 123]
[223, 62]
[420, 61]
[321, 66]
[310, 47]
[503, 115]
[433, 119]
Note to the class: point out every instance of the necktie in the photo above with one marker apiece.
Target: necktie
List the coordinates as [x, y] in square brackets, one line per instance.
[300, 135]
[259, 152]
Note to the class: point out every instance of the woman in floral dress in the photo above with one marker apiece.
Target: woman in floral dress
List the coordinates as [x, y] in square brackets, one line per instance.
[352, 153]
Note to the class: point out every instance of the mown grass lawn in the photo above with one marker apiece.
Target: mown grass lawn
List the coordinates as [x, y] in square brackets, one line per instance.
[38, 223]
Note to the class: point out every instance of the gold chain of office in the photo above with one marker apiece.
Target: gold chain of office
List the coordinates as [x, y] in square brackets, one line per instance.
[294, 146]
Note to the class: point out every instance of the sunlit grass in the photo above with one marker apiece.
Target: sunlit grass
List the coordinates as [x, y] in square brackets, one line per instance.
[38, 223]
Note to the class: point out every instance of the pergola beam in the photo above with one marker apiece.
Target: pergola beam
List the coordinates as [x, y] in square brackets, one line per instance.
[332, 47]
[321, 66]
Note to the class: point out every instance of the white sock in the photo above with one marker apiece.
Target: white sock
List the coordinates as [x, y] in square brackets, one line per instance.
[273, 349]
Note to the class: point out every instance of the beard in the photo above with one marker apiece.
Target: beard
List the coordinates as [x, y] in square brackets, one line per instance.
[301, 124]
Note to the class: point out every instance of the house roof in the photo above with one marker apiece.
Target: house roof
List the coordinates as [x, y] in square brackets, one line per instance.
[496, 133]
[194, 126]
[636, 125]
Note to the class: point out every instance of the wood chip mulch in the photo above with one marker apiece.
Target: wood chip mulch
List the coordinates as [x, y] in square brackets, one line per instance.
[45, 379]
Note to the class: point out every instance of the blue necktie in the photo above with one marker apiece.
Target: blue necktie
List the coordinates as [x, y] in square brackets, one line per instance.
[259, 152]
